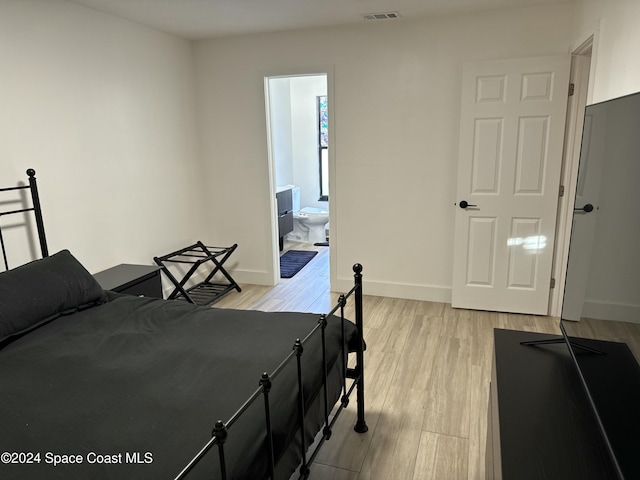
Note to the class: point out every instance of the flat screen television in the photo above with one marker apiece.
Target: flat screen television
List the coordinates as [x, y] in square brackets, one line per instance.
[601, 307]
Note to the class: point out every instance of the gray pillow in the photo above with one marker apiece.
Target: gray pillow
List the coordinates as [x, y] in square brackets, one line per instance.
[42, 290]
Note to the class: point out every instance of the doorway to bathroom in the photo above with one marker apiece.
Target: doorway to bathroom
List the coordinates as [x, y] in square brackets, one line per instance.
[300, 153]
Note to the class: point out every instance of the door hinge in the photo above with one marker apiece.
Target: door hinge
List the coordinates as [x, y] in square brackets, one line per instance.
[553, 283]
[572, 89]
[561, 191]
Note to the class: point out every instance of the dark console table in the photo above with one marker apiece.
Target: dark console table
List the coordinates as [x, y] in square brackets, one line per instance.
[140, 280]
[540, 424]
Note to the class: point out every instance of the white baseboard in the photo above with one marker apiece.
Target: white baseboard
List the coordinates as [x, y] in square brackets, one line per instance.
[427, 293]
[253, 277]
[611, 311]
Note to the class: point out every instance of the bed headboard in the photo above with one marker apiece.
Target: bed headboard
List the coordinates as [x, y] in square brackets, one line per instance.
[23, 202]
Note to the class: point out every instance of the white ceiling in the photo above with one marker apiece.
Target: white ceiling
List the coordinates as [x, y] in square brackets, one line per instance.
[197, 19]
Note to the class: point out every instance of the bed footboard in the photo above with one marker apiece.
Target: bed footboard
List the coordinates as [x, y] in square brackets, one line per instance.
[223, 430]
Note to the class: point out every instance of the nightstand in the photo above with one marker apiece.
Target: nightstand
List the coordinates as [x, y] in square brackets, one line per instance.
[140, 280]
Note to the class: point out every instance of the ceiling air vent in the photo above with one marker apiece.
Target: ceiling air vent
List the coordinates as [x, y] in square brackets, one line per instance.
[381, 16]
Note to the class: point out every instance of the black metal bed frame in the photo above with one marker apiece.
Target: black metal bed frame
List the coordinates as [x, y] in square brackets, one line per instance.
[221, 430]
[35, 208]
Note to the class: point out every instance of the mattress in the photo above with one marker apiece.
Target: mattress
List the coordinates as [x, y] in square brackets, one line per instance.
[132, 388]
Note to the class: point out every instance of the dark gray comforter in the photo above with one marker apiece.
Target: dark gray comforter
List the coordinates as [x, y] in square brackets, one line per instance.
[131, 389]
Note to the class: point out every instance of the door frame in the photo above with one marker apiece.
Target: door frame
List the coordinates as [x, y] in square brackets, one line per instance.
[328, 71]
[582, 61]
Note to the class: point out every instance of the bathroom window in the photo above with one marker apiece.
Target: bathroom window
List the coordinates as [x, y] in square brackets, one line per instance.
[323, 146]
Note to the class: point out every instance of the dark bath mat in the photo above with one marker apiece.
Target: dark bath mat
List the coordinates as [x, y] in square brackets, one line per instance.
[293, 261]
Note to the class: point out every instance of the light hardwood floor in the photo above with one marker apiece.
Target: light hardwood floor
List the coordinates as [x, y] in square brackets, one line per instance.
[427, 372]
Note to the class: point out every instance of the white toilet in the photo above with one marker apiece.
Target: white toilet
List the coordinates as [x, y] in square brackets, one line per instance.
[308, 222]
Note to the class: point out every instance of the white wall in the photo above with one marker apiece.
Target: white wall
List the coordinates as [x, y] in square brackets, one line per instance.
[396, 113]
[304, 129]
[293, 123]
[104, 110]
[281, 140]
[614, 23]
[90, 97]
[294, 134]
[615, 72]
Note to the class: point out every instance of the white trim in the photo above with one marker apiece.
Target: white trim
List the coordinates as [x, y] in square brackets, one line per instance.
[618, 312]
[589, 41]
[573, 138]
[274, 272]
[427, 293]
[253, 277]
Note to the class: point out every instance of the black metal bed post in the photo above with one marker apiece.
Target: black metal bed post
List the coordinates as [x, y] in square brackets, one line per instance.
[220, 432]
[326, 431]
[265, 383]
[304, 467]
[361, 424]
[344, 401]
[37, 210]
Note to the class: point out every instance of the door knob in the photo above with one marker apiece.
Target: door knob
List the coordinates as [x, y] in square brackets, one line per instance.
[465, 204]
[587, 208]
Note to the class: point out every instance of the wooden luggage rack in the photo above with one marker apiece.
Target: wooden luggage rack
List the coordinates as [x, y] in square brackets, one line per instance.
[207, 291]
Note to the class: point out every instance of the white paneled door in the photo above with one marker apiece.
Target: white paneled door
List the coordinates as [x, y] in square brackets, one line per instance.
[511, 141]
